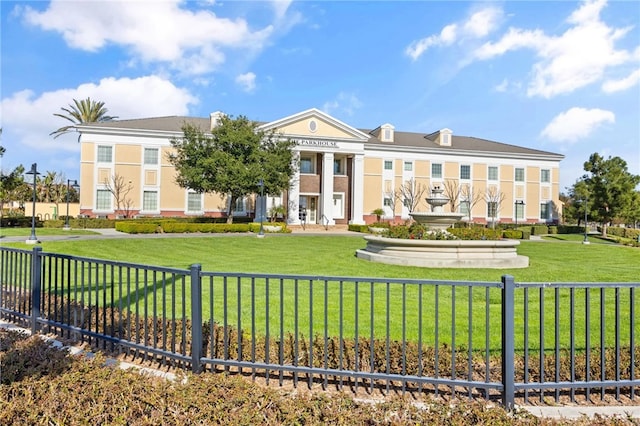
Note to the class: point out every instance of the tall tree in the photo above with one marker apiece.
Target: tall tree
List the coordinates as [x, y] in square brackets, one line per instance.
[232, 159]
[84, 111]
[611, 188]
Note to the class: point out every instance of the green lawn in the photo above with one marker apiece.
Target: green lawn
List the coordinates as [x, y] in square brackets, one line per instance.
[26, 232]
[552, 260]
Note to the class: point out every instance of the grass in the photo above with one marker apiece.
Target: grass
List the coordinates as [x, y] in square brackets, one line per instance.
[25, 232]
[550, 261]
[553, 260]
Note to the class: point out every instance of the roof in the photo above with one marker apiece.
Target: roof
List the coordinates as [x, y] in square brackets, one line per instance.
[411, 141]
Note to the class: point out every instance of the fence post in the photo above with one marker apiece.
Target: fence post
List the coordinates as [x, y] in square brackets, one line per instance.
[36, 292]
[196, 317]
[508, 342]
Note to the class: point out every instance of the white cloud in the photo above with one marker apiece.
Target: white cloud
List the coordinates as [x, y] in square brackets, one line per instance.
[247, 81]
[192, 41]
[578, 57]
[503, 86]
[346, 103]
[30, 118]
[631, 80]
[478, 25]
[576, 123]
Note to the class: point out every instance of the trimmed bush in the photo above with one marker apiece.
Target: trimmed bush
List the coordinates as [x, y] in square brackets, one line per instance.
[513, 234]
[476, 233]
[539, 230]
[136, 228]
[358, 228]
[18, 222]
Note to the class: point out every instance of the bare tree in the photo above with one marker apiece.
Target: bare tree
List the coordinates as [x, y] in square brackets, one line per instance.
[471, 196]
[120, 190]
[452, 192]
[411, 193]
[393, 196]
[494, 198]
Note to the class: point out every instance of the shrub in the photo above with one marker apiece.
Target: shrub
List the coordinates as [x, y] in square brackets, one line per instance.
[539, 230]
[514, 234]
[94, 223]
[476, 233]
[358, 228]
[136, 228]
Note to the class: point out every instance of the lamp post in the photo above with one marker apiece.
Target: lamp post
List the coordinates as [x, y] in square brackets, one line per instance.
[32, 238]
[73, 185]
[585, 241]
[261, 185]
[519, 203]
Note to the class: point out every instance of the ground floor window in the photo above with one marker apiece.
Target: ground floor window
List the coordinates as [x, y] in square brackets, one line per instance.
[492, 209]
[150, 201]
[194, 202]
[544, 211]
[103, 199]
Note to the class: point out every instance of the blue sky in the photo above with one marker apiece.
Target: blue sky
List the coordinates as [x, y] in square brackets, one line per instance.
[559, 76]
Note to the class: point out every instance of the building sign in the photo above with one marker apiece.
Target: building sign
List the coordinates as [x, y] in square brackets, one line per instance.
[315, 142]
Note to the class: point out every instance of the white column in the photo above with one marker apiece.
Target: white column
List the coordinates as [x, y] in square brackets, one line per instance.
[357, 190]
[327, 189]
[294, 194]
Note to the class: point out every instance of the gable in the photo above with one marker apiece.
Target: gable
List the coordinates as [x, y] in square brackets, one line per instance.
[314, 123]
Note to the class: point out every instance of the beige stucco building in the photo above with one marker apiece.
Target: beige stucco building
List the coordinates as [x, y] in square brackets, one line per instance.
[343, 175]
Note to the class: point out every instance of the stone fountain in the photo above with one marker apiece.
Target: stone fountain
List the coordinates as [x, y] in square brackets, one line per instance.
[442, 253]
[436, 219]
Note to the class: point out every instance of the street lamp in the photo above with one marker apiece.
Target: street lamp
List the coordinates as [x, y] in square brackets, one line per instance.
[32, 238]
[585, 241]
[261, 185]
[73, 185]
[519, 203]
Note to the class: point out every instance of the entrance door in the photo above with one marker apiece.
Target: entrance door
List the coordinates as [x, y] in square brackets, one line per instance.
[309, 203]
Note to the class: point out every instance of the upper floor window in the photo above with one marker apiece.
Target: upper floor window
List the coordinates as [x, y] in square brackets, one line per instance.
[519, 174]
[493, 173]
[465, 172]
[105, 154]
[151, 156]
[388, 165]
[545, 175]
[338, 166]
[408, 166]
[307, 165]
[436, 171]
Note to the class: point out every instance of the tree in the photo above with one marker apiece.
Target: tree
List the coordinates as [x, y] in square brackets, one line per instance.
[84, 111]
[452, 192]
[471, 196]
[494, 198]
[232, 159]
[120, 190]
[411, 193]
[10, 185]
[611, 188]
[392, 197]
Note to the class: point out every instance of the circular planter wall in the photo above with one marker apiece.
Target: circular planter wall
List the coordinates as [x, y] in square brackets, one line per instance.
[443, 253]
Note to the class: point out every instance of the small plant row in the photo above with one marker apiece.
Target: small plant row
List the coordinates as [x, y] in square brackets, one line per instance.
[151, 227]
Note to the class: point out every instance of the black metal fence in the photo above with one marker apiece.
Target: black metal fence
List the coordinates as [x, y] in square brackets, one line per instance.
[502, 340]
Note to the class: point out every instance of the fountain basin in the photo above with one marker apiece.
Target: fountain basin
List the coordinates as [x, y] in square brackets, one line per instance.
[495, 254]
[436, 220]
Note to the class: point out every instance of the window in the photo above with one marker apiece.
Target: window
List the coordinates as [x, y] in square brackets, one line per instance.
[408, 166]
[492, 209]
[338, 166]
[388, 165]
[387, 134]
[104, 154]
[151, 156]
[519, 209]
[150, 201]
[386, 202]
[464, 208]
[306, 165]
[465, 172]
[194, 202]
[519, 174]
[544, 211]
[493, 173]
[103, 199]
[545, 175]
[436, 171]
[239, 206]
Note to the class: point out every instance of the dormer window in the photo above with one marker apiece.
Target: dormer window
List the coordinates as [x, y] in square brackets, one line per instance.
[445, 137]
[386, 134]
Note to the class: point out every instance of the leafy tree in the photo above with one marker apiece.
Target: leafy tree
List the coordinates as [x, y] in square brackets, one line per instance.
[610, 187]
[84, 111]
[10, 185]
[232, 159]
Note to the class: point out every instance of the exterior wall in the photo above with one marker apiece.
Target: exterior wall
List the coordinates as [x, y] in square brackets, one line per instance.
[327, 141]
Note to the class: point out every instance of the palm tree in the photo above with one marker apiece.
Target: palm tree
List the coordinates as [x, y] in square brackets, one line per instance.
[84, 111]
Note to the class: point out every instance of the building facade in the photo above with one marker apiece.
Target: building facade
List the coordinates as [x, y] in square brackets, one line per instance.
[344, 173]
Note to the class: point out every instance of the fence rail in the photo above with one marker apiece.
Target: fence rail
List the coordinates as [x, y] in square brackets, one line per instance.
[498, 340]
